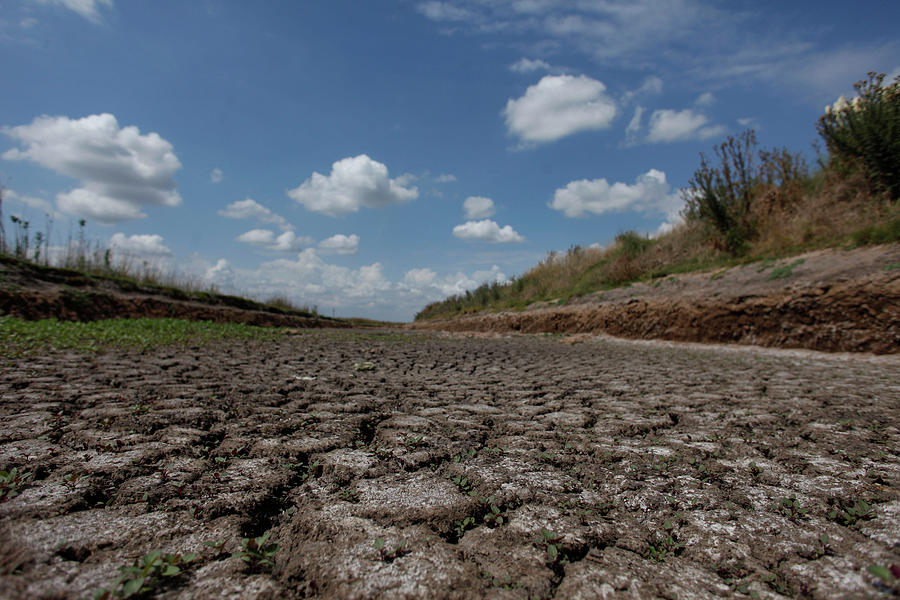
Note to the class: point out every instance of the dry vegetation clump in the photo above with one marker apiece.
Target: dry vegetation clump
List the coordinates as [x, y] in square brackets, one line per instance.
[79, 254]
[284, 303]
[742, 204]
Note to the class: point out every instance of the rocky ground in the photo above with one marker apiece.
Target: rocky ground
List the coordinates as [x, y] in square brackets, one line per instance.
[831, 300]
[418, 465]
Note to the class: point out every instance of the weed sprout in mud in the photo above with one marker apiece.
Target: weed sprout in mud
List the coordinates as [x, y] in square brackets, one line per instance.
[148, 575]
[257, 552]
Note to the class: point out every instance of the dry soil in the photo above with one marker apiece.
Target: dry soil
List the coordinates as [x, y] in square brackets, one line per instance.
[418, 465]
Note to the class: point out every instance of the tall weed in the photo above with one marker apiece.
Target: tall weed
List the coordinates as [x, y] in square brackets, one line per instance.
[865, 133]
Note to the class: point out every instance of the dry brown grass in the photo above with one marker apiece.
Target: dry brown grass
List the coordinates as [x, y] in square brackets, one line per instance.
[284, 303]
[824, 210]
[826, 218]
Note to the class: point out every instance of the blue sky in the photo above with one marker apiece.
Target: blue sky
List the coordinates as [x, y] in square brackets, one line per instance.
[371, 157]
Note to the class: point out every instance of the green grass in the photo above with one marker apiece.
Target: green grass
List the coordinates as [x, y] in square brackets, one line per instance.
[881, 233]
[19, 337]
[785, 271]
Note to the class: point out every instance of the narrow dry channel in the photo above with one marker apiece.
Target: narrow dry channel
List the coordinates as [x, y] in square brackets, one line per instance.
[413, 465]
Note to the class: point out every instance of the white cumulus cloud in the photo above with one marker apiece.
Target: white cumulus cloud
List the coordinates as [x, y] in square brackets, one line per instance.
[139, 245]
[121, 170]
[89, 9]
[527, 65]
[310, 277]
[341, 244]
[652, 85]
[267, 240]
[354, 182]
[220, 274]
[251, 209]
[705, 99]
[673, 126]
[478, 207]
[419, 278]
[430, 286]
[649, 194]
[310, 280]
[487, 231]
[558, 106]
[32, 202]
[442, 11]
[98, 207]
[216, 175]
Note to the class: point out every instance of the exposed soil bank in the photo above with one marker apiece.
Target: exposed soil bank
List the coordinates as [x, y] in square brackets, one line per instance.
[34, 293]
[828, 300]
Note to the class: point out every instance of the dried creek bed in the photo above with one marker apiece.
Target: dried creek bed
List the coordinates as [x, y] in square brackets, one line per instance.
[652, 470]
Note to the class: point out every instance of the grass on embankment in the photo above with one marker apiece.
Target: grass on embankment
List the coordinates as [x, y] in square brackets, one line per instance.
[688, 248]
[19, 338]
[741, 205]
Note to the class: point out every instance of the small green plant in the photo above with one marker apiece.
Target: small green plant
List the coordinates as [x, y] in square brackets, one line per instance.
[257, 552]
[550, 540]
[754, 469]
[703, 468]
[549, 457]
[463, 484]
[851, 514]
[664, 463]
[148, 574]
[776, 584]
[217, 546]
[767, 263]
[495, 515]
[71, 480]
[824, 548]
[889, 577]
[785, 271]
[388, 555]
[667, 544]
[313, 470]
[506, 583]
[414, 439]
[470, 453]
[11, 482]
[790, 508]
[462, 526]
[364, 366]
[743, 587]
[349, 495]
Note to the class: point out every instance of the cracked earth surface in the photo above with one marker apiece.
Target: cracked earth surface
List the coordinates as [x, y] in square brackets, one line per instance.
[403, 465]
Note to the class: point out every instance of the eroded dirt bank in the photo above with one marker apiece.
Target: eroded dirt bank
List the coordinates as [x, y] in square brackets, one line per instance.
[830, 300]
[403, 465]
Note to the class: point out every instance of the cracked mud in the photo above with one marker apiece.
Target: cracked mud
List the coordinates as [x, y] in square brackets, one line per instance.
[399, 465]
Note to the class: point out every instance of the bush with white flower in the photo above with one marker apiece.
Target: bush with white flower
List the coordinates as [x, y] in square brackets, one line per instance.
[864, 132]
